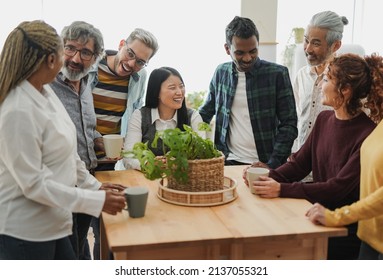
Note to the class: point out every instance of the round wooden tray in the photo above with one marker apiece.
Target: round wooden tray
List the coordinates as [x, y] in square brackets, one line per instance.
[211, 198]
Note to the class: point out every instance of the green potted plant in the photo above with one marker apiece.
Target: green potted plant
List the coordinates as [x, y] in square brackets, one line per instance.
[195, 99]
[190, 162]
[297, 33]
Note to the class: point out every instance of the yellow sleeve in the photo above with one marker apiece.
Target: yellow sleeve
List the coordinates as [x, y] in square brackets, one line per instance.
[366, 208]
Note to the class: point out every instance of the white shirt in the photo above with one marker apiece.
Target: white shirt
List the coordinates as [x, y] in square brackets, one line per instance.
[241, 137]
[39, 168]
[308, 99]
[134, 134]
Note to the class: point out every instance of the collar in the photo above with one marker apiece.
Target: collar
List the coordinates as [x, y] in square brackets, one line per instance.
[39, 97]
[156, 116]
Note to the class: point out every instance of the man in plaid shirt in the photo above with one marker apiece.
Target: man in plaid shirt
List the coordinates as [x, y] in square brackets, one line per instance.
[253, 101]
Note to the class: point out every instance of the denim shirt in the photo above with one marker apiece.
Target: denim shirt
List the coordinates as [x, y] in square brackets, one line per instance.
[136, 91]
[271, 108]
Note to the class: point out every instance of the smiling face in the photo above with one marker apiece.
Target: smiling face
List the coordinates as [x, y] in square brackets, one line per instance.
[244, 52]
[124, 64]
[75, 68]
[172, 93]
[315, 46]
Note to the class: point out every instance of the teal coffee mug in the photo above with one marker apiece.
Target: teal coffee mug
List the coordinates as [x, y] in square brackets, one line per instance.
[136, 199]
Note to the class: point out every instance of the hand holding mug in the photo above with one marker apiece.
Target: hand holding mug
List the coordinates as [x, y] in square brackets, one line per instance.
[114, 202]
[253, 174]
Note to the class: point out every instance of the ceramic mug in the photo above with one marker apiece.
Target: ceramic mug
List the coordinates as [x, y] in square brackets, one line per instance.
[136, 199]
[253, 174]
[113, 145]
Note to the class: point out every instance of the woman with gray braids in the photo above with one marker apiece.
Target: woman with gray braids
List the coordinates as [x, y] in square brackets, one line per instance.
[39, 165]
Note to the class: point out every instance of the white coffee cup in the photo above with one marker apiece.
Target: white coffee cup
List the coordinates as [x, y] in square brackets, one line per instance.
[113, 145]
[253, 174]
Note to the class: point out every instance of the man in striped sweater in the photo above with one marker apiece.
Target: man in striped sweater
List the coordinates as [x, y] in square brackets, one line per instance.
[119, 81]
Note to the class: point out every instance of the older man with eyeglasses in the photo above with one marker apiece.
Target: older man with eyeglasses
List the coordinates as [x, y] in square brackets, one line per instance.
[83, 47]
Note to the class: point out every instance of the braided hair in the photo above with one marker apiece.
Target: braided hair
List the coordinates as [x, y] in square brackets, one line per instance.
[25, 48]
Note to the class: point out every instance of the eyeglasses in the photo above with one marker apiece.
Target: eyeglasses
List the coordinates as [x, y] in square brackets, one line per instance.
[85, 54]
[139, 62]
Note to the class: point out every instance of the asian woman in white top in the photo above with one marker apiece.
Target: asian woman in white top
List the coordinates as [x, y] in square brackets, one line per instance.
[164, 108]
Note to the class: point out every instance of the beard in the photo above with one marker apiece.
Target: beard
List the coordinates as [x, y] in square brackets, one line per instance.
[316, 60]
[74, 75]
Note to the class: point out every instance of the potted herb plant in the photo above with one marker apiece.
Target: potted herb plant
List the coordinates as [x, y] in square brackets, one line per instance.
[297, 33]
[190, 162]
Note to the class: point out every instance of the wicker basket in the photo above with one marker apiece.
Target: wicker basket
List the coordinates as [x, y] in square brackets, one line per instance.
[210, 198]
[204, 175]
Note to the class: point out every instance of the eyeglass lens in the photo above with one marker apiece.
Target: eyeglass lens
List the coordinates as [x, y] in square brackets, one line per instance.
[85, 54]
[141, 63]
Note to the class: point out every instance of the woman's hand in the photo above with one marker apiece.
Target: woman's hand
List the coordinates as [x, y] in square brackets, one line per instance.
[267, 187]
[316, 214]
[114, 202]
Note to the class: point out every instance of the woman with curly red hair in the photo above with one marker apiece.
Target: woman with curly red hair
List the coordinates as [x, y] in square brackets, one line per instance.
[368, 211]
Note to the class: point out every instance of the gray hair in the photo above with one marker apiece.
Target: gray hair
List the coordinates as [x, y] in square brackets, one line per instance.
[83, 31]
[332, 22]
[145, 37]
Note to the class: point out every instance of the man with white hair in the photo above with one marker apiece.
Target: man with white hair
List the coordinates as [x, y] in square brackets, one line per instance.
[323, 37]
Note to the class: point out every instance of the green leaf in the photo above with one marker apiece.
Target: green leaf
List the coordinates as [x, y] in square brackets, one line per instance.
[179, 147]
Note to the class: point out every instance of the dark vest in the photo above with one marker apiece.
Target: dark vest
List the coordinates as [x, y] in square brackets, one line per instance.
[148, 129]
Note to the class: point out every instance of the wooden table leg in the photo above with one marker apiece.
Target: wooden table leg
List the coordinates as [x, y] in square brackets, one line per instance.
[103, 242]
[320, 248]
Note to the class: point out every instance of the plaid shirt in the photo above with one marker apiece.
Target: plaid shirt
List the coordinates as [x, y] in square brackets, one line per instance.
[271, 107]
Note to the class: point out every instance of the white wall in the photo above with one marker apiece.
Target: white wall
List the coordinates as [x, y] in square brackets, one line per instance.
[264, 15]
[191, 34]
[363, 15]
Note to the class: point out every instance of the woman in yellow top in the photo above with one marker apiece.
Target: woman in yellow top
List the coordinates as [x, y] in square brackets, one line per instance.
[369, 209]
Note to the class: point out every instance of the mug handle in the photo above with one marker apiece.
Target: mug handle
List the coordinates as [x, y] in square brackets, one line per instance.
[126, 203]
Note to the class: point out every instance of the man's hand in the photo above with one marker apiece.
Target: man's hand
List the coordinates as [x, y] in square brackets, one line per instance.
[260, 164]
[113, 187]
[99, 145]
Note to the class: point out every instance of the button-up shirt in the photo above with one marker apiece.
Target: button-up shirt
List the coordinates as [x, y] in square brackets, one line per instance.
[271, 108]
[307, 93]
[136, 91]
[81, 110]
[39, 168]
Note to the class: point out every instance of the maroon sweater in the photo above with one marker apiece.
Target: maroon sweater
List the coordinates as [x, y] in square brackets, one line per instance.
[332, 153]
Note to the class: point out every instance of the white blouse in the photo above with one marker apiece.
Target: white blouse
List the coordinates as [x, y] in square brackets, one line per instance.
[39, 168]
[134, 134]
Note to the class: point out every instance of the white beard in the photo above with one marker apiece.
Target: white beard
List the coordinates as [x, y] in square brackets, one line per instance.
[73, 75]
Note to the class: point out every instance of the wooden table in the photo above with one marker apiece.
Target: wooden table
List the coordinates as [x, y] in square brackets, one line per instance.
[247, 228]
